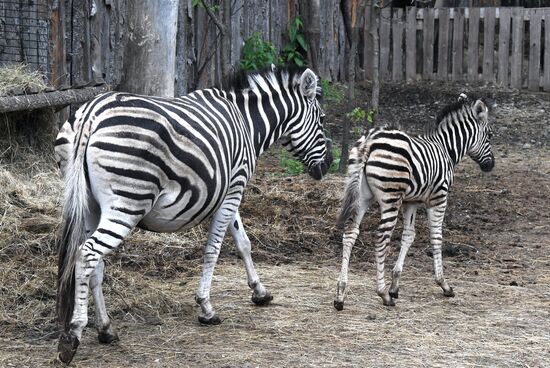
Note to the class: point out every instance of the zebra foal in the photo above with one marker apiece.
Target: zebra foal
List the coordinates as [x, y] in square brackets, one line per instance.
[168, 164]
[400, 170]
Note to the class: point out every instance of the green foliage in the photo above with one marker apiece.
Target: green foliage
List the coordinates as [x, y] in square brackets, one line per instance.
[258, 53]
[332, 93]
[336, 153]
[357, 115]
[295, 50]
[213, 8]
[291, 166]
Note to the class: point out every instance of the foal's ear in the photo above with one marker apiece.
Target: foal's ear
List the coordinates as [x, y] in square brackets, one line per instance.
[308, 84]
[480, 109]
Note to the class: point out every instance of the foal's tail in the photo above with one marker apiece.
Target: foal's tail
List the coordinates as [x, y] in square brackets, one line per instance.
[357, 159]
[73, 234]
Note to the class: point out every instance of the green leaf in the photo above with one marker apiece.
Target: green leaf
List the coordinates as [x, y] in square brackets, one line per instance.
[302, 41]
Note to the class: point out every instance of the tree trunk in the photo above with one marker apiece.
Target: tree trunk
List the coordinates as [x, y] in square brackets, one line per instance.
[150, 56]
[352, 12]
[373, 32]
[226, 43]
[310, 15]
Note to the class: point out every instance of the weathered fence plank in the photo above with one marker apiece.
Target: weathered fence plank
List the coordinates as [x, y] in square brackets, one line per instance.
[546, 65]
[410, 45]
[503, 46]
[517, 48]
[488, 44]
[428, 44]
[535, 19]
[397, 38]
[473, 44]
[458, 44]
[443, 44]
[385, 28]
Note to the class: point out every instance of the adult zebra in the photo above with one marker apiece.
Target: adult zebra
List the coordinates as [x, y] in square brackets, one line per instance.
[400, 170]
[168, 164]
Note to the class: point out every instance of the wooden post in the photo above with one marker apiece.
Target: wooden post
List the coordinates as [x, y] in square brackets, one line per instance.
[473, 44]
[488, 44]
[443, 45]
[458, 45]
[410, 45]
[385, 30]
[503, 46]
[535, 18]
[428, 44]
[546, 66]
[516, 80]
[397, 32]
[150, 55]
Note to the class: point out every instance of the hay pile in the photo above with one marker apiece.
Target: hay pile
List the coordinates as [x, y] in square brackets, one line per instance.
[18, 79]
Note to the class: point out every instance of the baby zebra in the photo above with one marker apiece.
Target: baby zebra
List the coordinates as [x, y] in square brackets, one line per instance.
[399, 170]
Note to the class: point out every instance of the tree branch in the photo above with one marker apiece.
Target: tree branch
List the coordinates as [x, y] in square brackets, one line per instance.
[215, 19]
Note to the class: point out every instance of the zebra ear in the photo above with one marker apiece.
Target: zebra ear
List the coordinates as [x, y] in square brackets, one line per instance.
[481, 109]
[308, 83]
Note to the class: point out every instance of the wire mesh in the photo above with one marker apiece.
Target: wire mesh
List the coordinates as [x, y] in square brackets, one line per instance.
[24, 33]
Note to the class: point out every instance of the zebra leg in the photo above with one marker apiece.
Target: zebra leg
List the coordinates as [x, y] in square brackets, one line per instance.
[216, 232]
[384, 231]
[350, 236]
[435, 216]
[409, 213]
[106, 238]
[260, 295]
[106, 334]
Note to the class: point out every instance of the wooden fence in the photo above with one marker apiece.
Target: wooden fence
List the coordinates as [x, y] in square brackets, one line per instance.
[506, 46]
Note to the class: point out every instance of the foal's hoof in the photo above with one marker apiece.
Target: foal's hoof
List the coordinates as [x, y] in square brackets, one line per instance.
[106, 337]
[339, 305]
[449, 293]
[388, 301]
[394, 294]
[214, 320]
[66, 349]
[262, 300]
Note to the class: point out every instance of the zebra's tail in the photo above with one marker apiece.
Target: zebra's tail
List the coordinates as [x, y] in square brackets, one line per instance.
[357, 159]
[73, 233]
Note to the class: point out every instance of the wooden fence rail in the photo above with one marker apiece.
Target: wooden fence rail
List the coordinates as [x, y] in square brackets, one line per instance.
[506, 46]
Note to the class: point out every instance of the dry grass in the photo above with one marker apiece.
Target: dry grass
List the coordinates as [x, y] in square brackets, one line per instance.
[18, 79]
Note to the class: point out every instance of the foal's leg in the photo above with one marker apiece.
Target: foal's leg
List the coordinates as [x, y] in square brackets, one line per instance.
[216, 232]
[260, 296]
[409, 214]
[350, 236]
[389, 208]
[435, 216]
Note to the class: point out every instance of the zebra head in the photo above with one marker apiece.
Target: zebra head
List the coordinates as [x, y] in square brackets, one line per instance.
[480, 149]
[304, 137]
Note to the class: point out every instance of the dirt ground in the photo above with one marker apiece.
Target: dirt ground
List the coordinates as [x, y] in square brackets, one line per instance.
[496, 257]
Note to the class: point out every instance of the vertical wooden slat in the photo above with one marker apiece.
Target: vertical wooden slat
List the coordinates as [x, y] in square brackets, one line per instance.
[517, 48]
[443, 45]
[535, 19]
[546, 66]
[503, 46]
[385, 28]
[397, 32]
[458, 44]
[488, 44]
[410, 45]
[428, 43]
[367, 41]
[473, 44]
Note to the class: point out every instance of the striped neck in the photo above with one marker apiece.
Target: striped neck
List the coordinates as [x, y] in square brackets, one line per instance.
[267, 109]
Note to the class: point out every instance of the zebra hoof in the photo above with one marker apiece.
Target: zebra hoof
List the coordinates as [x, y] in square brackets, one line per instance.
[214, 320]
[449, 293]
[66, 348]
[107, 337]
[388, 301]
[262, 300]
[394, 294]
[339, 305]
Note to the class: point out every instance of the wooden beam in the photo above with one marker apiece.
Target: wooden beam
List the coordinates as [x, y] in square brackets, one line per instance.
[50, 99]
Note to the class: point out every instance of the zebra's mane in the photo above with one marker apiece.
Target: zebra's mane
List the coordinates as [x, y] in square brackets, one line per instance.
[456, 106]
[243, 79]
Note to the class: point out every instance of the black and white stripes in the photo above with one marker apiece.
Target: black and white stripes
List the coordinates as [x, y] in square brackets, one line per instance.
[168, 164]
[400, 170]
